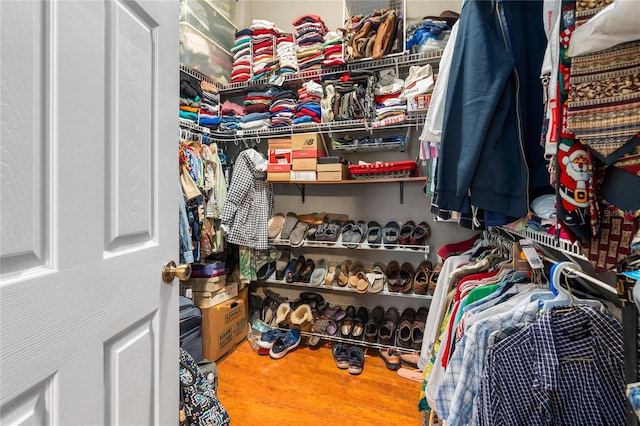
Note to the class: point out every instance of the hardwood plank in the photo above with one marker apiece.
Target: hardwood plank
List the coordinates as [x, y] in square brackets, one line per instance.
[306, 388]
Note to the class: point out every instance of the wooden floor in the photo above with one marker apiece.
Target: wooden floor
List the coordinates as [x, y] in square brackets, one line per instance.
[306, 388]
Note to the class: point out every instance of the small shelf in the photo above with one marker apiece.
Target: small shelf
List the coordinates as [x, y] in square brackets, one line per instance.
[346, 126]
[345, 289]
[359, 246]
[395, 60]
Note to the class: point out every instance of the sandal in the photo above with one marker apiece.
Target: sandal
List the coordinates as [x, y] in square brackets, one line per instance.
[357, 278]
[374, 234]
[289, 223]
[376, 278]
[335, 313]
[343, 275]
[307, 270]
[331, 275]
[275, 225]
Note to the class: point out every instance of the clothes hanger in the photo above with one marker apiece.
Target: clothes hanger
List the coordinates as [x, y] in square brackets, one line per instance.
[564, 297]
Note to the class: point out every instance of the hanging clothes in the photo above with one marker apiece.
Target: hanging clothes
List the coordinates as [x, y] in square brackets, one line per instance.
[247, 208]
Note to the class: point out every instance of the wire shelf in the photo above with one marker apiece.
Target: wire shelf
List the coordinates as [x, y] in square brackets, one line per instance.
[550, 241]
[357, 246]
[193, 126]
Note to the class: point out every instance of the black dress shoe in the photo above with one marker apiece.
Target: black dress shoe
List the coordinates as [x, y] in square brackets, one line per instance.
[298, 269]
[346, 325]
[373, 325]
[361, 318]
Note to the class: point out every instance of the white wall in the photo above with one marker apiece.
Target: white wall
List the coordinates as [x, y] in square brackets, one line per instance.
[283, 12]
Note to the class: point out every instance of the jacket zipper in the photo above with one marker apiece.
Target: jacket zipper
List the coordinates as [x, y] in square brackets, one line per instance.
[520, 137]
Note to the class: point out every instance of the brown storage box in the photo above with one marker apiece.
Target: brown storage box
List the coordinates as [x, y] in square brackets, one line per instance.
[332, 176]
[207, 299]
[278, 167]
[208, 284]
[224, 326]
[279, 143]
[308, 153]
[279, 176]
[279, 156]
[306, 141]
[303, 176]
[308, 164]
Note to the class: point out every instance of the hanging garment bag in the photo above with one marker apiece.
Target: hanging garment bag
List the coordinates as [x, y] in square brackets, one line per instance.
[191, 328]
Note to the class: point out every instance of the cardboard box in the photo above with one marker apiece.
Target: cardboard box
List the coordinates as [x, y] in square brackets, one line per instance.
[206, 299]
[308, 153]
[224, 326]
[333, 167]
[278, 176]
[304, 164]
[332, 176]
[279, 156]
[279, 143]
[419, 102]
[306, 141]
[302, 175]
[278, 167]
[207, 284]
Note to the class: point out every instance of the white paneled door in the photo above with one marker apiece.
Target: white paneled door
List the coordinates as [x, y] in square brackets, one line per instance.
[88, 213]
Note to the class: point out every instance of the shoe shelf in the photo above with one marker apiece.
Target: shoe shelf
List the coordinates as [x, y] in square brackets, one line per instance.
[358, 246]
[355, 342]
[396, 60]
[344, 126]
[549, 241]
[401, 180]
[345, 289]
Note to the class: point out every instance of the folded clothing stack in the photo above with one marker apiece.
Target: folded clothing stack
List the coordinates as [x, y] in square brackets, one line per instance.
[283, 107]
[257, 101]
[242, 56]
[387, 95]
[310, 32]
[190, 97]
[210, 106]
[264, 38]
[332, 46]
[430, 35]
[286, 52]
[230, 115]
[308, 108]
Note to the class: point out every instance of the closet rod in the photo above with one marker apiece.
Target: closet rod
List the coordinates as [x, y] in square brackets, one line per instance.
[585, 276]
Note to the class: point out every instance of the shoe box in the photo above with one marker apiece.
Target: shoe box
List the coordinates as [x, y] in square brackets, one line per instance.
[224, 326]
[279, 155]
[332, 172]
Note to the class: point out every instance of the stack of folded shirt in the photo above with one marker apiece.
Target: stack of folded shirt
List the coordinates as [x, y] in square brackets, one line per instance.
[242, 58]
[190, 97]
[286, 50]
[390, 109]
[283, 107]
[230, 115]
[210, 106]
[256, 103]
[264, 38]
[310, 32]
[308, 108]
[332, 46]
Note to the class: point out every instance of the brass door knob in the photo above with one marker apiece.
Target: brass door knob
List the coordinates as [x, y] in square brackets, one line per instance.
[171, 271]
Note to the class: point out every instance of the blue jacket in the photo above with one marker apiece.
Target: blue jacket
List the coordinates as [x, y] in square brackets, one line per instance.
[493, 115]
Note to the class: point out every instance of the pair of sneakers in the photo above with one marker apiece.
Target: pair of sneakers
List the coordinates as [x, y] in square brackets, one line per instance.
[280, 342]
[346, 358]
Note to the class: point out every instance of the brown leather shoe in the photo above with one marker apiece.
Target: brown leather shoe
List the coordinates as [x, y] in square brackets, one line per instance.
[421, 279]
[417, 328]
[406, 278]
[393, 276]
[404, 329]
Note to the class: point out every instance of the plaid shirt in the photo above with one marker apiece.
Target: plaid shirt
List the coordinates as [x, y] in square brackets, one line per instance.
[455, 396]
[564, 369]
[247, 208]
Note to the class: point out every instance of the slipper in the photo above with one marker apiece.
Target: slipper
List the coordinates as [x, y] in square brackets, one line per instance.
[289, 223]
[376, 278]
[343, 275]
[306, 271]
[332, 231]
[266, 271]
[311, 232]
[275, 225]
[296, 238]
[374, 234]
[405, 232]
[363, 228]
[347, 233]
[289, 272]
[406, 277]
[433, 278]
[390, 234]
[421, 279]
[335, 313]
[331, 275]
[356, 275]
[322, 326]
[281, 264]
[420, 234]
[415, 375]
[319, 273]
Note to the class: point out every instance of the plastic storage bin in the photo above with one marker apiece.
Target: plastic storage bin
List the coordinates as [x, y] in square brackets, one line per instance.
[206, 18]
[201, 54]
